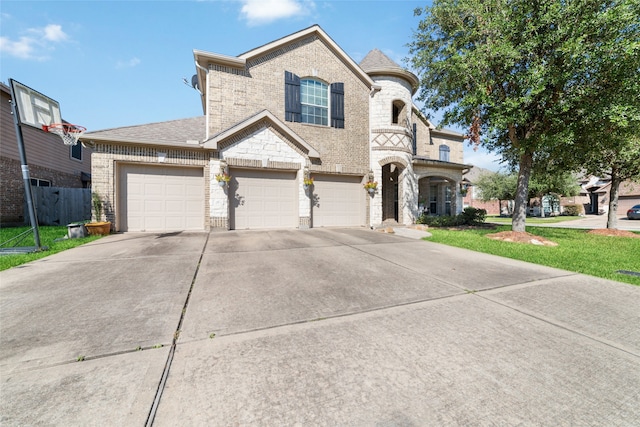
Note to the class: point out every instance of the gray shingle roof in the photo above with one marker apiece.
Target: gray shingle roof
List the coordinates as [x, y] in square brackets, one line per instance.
[377, 63]
[376, 60]
[171, 132]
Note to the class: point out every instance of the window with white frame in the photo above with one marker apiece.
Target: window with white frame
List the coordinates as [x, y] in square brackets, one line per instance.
[36, 182]
[444, 153]
[312, 101]
[314, 97]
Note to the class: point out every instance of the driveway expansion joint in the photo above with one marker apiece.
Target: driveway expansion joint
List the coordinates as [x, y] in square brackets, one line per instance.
[165, 373]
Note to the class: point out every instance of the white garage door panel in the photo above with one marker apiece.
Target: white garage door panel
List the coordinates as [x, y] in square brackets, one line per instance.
[340, 201]
[261, 199]
[160, 198]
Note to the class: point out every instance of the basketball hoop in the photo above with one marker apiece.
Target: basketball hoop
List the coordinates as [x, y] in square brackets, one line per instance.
[68, 132]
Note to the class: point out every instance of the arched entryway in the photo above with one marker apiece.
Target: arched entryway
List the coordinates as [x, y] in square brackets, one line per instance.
[437, 196]
[391, 190]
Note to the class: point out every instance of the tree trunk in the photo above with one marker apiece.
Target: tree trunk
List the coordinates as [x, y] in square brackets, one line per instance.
[522, 191]
[612, 216]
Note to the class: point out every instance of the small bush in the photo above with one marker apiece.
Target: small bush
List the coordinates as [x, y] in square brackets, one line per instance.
[470, 216]
[473, 216]
[572, 210]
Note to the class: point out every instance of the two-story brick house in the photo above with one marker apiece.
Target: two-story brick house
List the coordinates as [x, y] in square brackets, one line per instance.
[293, 109]
[51, 163]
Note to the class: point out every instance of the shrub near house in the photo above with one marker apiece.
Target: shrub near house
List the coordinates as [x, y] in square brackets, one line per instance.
[469, 217]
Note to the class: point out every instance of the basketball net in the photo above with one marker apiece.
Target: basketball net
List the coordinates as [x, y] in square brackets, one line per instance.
[67, 132]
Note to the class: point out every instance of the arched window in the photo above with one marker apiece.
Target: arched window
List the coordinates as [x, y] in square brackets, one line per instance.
[444, 153]
[397, 112]
[314, 97]
[312, 101]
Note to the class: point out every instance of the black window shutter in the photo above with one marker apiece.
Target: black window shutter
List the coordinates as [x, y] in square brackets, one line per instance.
[415, 139]
[292, 106]
[337, 105]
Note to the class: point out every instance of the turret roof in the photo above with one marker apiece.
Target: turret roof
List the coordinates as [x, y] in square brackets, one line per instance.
[377, 63]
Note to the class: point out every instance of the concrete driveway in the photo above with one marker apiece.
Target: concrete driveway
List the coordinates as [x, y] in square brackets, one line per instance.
[311, 327]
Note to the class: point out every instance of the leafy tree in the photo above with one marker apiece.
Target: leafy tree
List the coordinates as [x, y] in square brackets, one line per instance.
[498, 186]
[558, 184]
[520, 72]
[503, 186]
[612, 148]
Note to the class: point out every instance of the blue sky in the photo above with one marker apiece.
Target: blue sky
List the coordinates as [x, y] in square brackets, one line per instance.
[121, 63]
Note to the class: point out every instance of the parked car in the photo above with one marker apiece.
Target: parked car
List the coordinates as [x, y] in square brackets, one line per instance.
[634, 212]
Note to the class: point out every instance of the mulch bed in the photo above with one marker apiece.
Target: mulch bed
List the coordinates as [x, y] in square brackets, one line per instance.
[612, 232]
[521, 237]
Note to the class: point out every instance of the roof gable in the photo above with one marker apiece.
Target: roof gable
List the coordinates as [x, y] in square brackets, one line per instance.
[263, 116]
[203, 58]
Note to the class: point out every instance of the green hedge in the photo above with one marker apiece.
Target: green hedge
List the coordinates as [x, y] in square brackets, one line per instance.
[572, 210]
[469, 216]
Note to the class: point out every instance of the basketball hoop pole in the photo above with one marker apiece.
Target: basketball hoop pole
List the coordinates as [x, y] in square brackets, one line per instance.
[25, 171]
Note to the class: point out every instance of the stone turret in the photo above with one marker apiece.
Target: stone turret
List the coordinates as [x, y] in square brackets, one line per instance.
[391, 140]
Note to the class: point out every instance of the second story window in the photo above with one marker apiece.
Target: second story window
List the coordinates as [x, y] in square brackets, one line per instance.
[444, 153]
[314, 97]
[76, 151]
[312, 101]
[397, 113]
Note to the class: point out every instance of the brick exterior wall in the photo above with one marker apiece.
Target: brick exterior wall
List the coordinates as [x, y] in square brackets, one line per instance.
[107, 157]
[235, 95]
[491, 206]
[12, 204]
[428, 142]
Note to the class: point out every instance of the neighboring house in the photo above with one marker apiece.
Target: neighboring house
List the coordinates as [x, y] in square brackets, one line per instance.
[594, 195]
[295, 108]
[473, 196]
[51, 163]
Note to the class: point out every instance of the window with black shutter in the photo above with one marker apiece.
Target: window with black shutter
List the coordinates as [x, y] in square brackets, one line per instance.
[415, 139]
[337, 105]
[292, 105]
[308, 101]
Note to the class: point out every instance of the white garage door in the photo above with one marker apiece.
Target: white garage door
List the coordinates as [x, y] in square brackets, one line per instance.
[161, 198]
[260, 199]
[338, 201]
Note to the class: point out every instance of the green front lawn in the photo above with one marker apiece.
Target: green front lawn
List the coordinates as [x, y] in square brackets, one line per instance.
[577, 250]
[48, 236]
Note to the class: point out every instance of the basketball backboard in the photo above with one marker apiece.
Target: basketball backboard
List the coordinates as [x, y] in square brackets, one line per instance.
[34, 109]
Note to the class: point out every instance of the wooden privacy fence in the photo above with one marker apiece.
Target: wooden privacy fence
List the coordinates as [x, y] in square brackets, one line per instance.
[61, 206]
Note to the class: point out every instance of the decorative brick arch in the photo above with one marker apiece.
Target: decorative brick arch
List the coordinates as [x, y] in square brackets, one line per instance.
[453, 177]
[393, 159]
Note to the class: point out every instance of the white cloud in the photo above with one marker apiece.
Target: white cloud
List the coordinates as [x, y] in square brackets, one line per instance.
[128, 64]
[54, 33]
[22, 48]
[36, 45]
[258, 12]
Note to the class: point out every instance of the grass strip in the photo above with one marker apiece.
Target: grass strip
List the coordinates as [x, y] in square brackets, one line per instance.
[48, 236]
[577, 250]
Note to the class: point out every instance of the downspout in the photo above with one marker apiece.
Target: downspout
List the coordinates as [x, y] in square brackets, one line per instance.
[206, 100]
